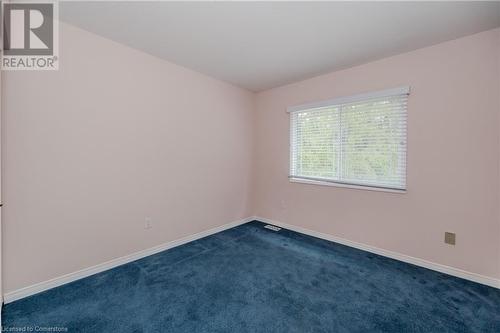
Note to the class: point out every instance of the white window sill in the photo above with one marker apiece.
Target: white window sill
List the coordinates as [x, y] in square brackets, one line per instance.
[356, 187]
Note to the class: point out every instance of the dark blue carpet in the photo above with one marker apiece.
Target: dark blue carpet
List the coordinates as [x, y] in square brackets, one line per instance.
[250, 279]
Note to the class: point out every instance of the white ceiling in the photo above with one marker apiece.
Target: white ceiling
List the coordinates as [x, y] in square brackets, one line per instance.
[260, 45]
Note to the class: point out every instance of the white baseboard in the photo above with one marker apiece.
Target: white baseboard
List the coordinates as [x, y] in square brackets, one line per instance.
[489, 281]
[58, 281]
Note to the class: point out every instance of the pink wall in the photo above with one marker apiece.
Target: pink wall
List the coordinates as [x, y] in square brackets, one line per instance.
[453, 157]
[113, 137]
[498, 94]
[116, 136]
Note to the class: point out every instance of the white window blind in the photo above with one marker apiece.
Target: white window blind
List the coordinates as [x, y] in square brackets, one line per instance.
[358, 140]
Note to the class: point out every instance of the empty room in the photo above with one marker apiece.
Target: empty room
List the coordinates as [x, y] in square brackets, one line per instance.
[250, 166]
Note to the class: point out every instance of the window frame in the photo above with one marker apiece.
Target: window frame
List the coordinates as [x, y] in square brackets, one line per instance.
[404, 90]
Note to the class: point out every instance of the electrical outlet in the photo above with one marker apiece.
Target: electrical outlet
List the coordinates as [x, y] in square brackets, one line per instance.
[147, 223]
[283, 204]
[450, 238]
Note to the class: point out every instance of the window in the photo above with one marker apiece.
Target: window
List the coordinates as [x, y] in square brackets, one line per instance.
[358, 140]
